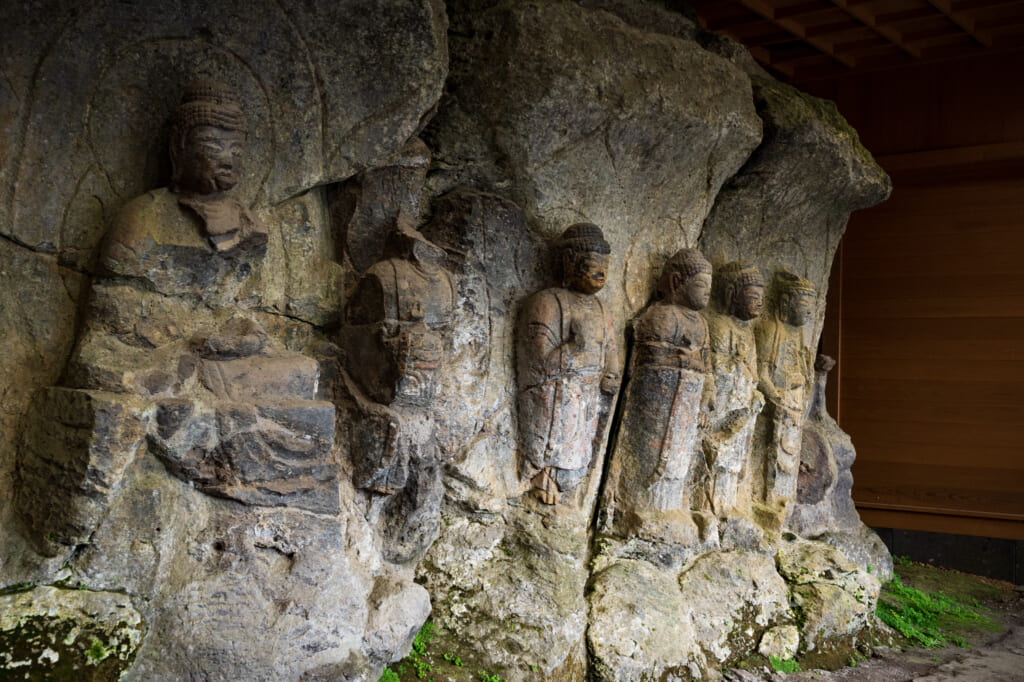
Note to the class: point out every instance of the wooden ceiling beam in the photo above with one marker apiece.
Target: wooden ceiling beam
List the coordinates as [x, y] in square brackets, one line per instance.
[873, 41]
[767, 39]
[864, 14]
[874, 53]
[1008, 40]
[803, 72]
[949, 50]
[767, 10]
[761, 54]
[730, 21]
[756, 29]
[799, 51]
[1000, 22]
[967, 5]
[953, 14]
[832, 28]
[888, 18]
[799, 62]
[912, 37]
[801, 9]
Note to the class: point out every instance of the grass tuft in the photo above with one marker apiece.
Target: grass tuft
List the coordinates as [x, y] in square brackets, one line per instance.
[926, 618]
[784, 666]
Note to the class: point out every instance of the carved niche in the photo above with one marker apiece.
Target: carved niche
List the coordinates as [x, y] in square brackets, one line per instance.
[785, 373]
[739, 295]
[657, 478]
[176, 354]
[567, 367]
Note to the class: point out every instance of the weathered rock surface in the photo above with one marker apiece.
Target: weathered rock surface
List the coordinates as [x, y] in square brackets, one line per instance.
[782, 642]
[836, 598]
[824, 508]
[77, 447]
[186, 457]
[734, 597]
[763, 213]
[64, 633]
[319, 108]
[596, 128]
[37, 315]
[640, 625]
[535, 113]
[516, 582]
[221, 449]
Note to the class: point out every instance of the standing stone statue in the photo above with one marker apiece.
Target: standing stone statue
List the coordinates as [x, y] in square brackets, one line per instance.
[393, 339]
[669, 393]
[739, 291]
[785, 371]
[566, 359]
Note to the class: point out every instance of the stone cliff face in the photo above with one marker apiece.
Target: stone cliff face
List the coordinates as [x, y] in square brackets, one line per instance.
[272, 428]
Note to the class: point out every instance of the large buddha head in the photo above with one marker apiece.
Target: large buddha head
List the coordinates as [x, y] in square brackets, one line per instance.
[207, 138]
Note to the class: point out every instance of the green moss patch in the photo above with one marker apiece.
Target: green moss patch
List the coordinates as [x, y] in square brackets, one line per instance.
[432, 660]
[49, 633]
[930, 619]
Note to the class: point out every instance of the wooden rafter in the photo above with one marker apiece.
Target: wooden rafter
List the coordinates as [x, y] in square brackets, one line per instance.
[798, 29]
[864, 14]
[863, 34]
[946, 7]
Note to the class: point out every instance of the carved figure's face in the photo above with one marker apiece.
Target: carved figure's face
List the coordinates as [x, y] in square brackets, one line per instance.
[695, 291]
[211, 159]
[586, 272]
[799, 308]
[747, 302]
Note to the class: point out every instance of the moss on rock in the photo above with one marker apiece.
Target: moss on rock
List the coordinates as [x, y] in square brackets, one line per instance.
[52, 633]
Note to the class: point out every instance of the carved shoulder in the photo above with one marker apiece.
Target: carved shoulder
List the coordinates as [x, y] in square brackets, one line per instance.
[124, 241]
[541, 309]
[149, 221]
[656, 324]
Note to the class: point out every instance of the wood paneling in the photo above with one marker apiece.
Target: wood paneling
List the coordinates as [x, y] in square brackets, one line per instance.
[964, 490]
[939, 108]
[931, 309]
[942, 523]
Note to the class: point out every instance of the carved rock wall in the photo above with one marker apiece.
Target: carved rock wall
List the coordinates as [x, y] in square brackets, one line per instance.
[201, 484]
[537, 110]
[209, 436]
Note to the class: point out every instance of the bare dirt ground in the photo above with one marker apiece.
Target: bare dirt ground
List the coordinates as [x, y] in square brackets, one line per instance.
[988, 657]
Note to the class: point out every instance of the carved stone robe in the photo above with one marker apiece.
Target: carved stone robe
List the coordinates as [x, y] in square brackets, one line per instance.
[663, 401]
[394, 342]
[565, 346]
[737, 404]
[787, 363]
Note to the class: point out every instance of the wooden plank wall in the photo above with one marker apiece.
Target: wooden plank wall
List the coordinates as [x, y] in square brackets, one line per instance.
[928, 325]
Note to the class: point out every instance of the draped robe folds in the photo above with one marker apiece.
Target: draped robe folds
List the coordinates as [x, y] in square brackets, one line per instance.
[789, 369]
[737, 404]
[566, 346]
[395, 351]
[662, 407]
